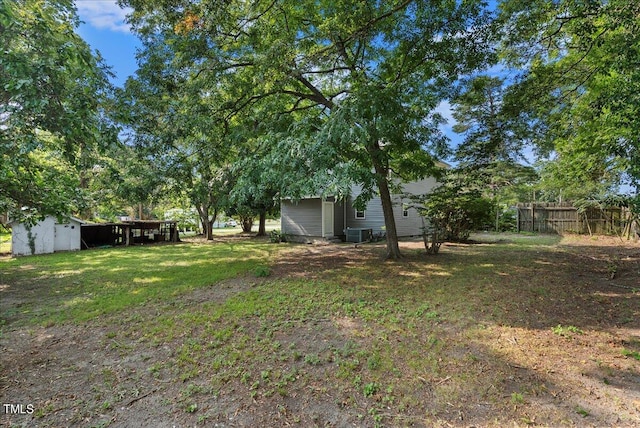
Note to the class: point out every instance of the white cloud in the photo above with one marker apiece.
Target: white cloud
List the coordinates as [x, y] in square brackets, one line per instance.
[445, 110]
[103, 14]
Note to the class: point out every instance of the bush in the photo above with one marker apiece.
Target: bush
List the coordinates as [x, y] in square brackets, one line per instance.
[456, 210]
[262, 271]
[507, 220]
[276, 236]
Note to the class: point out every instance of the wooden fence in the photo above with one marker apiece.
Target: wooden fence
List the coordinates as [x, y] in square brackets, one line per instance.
[565, 218]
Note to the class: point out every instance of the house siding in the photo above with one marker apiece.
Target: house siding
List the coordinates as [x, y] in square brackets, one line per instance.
[374, 217]
[338, 219]
[302, 218]
[411, 225]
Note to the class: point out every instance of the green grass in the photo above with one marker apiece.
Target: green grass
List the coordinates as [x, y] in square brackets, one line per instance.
[228, 231]
[373, 335]
[5, 242]
[82, 285]
[632, 354]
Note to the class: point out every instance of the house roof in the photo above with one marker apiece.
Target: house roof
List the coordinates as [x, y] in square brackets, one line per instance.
[68, 218]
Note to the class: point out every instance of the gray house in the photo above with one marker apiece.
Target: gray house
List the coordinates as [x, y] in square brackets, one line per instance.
[317, 218]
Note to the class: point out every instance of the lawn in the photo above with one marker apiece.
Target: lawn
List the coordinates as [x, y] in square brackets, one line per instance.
[512, 330]
[5, 242]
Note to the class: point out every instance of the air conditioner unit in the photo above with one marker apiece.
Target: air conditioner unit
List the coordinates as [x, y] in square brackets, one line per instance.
[359, 234]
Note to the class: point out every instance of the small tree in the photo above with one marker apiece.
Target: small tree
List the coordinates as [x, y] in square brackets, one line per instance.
[455, 209]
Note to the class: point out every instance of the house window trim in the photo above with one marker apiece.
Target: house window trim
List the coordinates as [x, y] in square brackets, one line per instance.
[364, 215]
[405, 210]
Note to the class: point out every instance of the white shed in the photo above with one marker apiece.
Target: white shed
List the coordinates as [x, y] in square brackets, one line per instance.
[46, 236]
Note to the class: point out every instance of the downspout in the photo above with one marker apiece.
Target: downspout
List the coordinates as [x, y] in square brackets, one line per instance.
[344, 211]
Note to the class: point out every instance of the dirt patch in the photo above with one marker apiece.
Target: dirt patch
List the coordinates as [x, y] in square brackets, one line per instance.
[548, 351]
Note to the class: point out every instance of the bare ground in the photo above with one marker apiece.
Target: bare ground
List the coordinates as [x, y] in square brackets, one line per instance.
[91, 375]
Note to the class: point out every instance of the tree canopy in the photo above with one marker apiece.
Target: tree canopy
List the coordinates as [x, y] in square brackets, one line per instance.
[370, 74]
[581, 77]
[50, 108]
[239, 103]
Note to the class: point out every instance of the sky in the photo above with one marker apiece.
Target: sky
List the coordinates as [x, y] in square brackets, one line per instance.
[105, 30]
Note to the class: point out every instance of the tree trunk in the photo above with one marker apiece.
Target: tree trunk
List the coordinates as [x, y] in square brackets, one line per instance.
[246, 223]
[262, 228]
[203, 219]
[210, 229]
[393, 249]
[210, 224]
[382, 178]
[207, 225]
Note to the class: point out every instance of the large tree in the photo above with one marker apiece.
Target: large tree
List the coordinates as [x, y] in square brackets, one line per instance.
[175, 126]
[50, 108]
[582, 79]
[496, 133]
[373, 72]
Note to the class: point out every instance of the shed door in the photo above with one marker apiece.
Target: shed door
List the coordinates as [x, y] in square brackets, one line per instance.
[62, 240]
[327, 219]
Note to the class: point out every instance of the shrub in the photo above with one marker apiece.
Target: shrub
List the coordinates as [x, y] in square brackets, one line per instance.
[456, 210]
[262, 271]
[276, 236]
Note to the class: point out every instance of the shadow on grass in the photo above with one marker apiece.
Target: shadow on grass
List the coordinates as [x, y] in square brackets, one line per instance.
[85, 284]
[485, 335]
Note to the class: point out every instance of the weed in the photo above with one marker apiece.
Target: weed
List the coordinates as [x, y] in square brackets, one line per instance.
[265, 375]
[374, 412]
[108, 376]
[357, 381]
[291, 376]
[43, 411]
[262, 271]
[191, 408]
[373, 362]
[565, 331]
[612, 269]
[268, 393]
[370, 389]
[312, 359]
[189, 374]
[190, 390]
[582, 412]
[276, 236]
[632, 354]
[388, 398]
[517, 398]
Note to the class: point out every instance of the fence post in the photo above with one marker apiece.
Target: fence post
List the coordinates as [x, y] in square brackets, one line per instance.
[533, 217]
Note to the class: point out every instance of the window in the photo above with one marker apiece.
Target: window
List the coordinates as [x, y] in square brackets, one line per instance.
[360, 215]
[405, 210]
